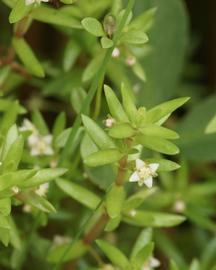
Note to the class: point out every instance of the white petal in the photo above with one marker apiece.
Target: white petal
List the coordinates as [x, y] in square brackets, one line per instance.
[153, 167]
[148, 182]
[134, 177]
[45, 0]
[154, 262]
[48, 151]
[35, 152]
[48, 139]
[29, 2]
[33, 140]
[139, 164]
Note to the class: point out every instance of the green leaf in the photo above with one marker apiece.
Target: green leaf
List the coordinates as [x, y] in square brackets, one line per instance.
[165, 165]
[14, 154]
[93, 26]
[144, 21]
[195, 265]
[66, 252]
[142, 256]
[92, 68]
[39, 122]
[128, 103]
[103, 157]
[19, 11]
[59, 125]
[165, 109]
[106, 42]
[143, 239]
[138, 198]
[5, 206]
[113, 254]
[56, 17]
[72, 51]
[134, 37]
[36, 201]
[139, 71]
[173, 266]
[17, 178]
[211, 127]
[78, 96]
[112, 224]
[158, 144]
[121, 131]
[115, 200]
[28, 58]
[10, 117]
[44, 176]
[79, 193]
[114, 105]
[154, 130]
[152, 219]
[100, 138]
[11, 137]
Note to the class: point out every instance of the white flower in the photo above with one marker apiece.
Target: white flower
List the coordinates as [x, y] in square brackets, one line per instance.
[109, 122]
[115, 53]
[179, 206]
[40, 145]
[144, 173]
[152, 263]
[43, 189]
[27, 126]
[15, 189]
[130, 61]
[27, 208]
[59, 240]
[29, 2]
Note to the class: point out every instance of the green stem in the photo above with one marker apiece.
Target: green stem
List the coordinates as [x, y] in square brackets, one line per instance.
[98, 77]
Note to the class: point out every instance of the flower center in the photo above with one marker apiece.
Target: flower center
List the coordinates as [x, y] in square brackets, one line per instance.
[144, 172]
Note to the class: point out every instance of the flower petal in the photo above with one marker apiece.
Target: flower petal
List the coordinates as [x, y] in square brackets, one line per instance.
[154, 167]
[148, 182]
[134, 177]
[154, 262]
[139, 164]
[29, 2]
[48, 139]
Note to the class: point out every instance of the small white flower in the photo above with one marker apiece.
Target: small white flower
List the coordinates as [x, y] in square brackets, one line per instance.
[43, 189]
[152, 263]
[130, 61]
[109, 122]
[144, 173]
[179, 206]
[15, 189]
[40, 145]
[29, 2]
[133, 212]
[59, 240]
[27, 208]
[115, 53]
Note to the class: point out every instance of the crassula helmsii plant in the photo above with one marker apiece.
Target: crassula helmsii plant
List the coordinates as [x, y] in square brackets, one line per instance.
[94, 193]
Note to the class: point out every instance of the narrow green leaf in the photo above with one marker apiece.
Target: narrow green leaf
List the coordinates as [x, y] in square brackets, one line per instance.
[28, 58]
[103, 157]
[128, 103]
[173, 265]
[100, 138]
[39, 122]
[143, 239]
[211, 127]
[43, 176]
[152, 219]
[36, 201]
[165, 165]
[114, 105]
[5, 206]
[93, 26]
[56, 17]
[121, 131]
[115, 200]
[134, 37]
[158, 144]
[158, 131]
[113, 254]
[72, 51]
[66, 252]
[59, 125]
[165, 109]
[112, 224]
[19, 11]
[142, 256]
[79, 193]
